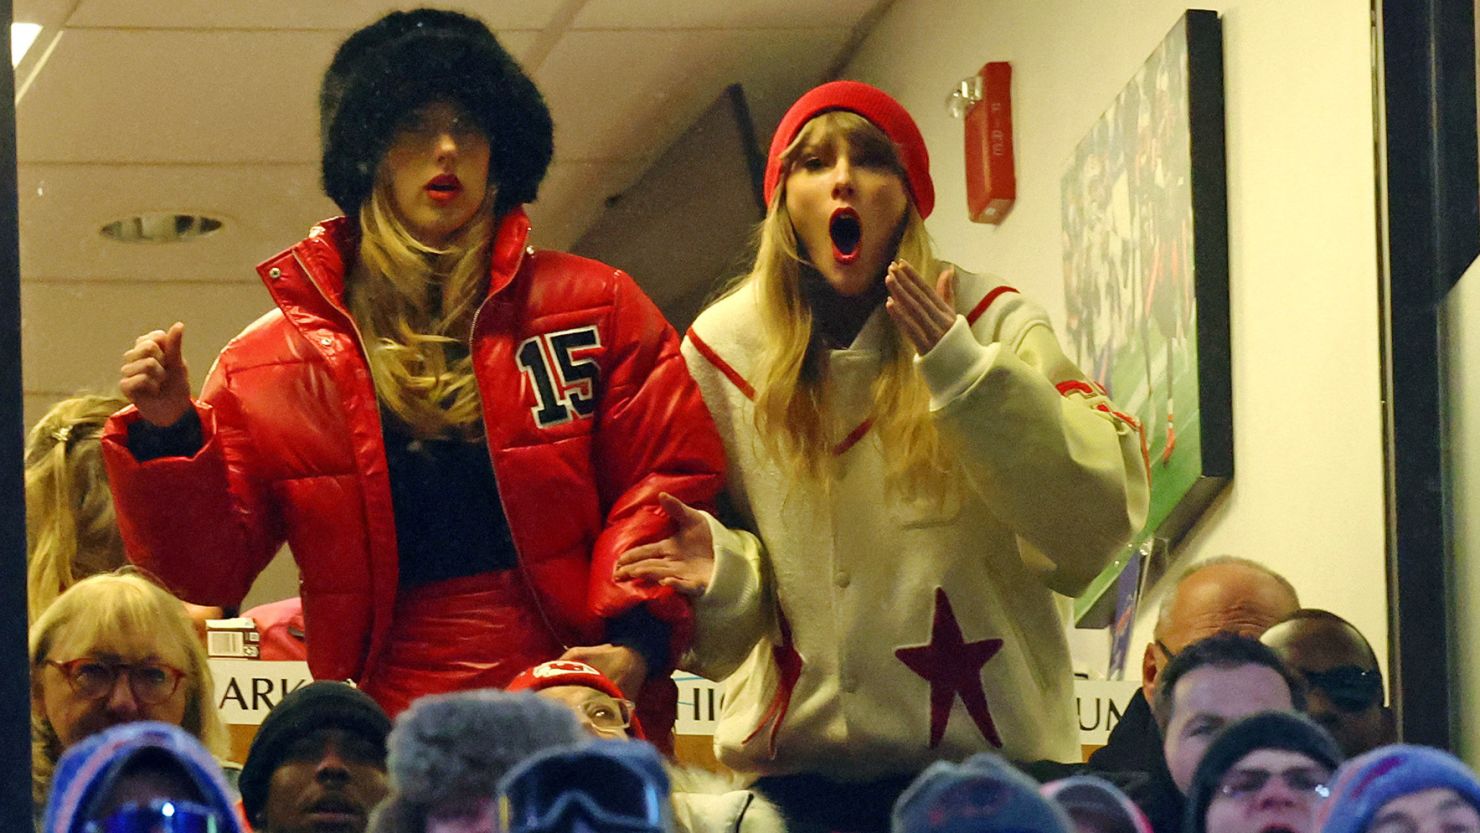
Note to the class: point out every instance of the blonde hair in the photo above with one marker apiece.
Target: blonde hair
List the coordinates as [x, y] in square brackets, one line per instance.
[71, 530]
[104, 607]
[791, 403]
[414, 306]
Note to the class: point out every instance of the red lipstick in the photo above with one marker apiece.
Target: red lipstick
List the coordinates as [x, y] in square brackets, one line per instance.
[443, 188]
[846, 229]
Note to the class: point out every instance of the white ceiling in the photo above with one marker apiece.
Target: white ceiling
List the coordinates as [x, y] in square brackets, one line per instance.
[209, 106]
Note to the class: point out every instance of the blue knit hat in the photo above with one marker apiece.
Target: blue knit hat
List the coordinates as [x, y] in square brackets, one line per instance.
[90, 768]
[1368, 782]
[983, 794]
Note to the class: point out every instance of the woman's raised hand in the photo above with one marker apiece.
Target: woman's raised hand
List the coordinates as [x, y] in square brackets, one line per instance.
[155, 378]
[922, 313]
[683, 561]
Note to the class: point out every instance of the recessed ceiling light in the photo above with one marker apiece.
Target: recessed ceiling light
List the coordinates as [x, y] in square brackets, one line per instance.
[161, 227]
[22, 35]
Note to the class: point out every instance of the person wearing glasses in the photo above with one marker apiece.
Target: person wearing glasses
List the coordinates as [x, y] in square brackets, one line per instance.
[115, 648]
[1267, 772]
[703, 801]
[1343, 681]
[142, 777]
[596, 701]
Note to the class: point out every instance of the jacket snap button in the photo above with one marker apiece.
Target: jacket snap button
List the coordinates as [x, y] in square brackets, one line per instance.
[841, 579]
[274, 273]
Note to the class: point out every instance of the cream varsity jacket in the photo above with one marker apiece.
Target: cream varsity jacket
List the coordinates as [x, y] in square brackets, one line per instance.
[864, 635]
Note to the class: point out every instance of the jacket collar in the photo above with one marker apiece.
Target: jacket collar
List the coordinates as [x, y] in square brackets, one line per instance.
[331, 245]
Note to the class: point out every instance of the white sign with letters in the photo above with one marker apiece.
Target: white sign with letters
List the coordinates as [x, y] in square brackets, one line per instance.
[1100, 704]
[246, 690]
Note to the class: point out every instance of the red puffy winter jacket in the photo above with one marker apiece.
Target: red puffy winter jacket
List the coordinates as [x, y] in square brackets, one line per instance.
[589, 413]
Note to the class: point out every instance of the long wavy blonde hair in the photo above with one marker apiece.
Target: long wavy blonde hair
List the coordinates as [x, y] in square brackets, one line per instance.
[71, 530]
[414, 305]
[791, 405]
[104, 610]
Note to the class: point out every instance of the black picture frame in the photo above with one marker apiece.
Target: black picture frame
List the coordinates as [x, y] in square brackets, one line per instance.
[1145, 213]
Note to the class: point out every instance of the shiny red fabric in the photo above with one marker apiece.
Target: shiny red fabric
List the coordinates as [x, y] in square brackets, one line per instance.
[293, 452]
[472, 632]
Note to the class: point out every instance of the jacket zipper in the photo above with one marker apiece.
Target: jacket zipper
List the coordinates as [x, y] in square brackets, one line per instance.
[483, 414]
[364, 357]
[534, 597]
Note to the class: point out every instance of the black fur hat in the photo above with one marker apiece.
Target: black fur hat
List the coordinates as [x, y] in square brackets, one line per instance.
[407, 59]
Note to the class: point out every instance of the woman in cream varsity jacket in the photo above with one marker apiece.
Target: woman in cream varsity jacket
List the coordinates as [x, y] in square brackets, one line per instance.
[927, 474]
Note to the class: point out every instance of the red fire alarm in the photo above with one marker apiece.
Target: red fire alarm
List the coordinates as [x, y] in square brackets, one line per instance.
[991, 184]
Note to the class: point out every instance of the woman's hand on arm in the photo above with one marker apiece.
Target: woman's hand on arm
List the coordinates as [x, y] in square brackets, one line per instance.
[155, 378]
[921, 312]
[683, 561]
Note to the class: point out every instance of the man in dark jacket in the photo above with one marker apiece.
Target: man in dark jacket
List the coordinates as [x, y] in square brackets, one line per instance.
[1225, 594]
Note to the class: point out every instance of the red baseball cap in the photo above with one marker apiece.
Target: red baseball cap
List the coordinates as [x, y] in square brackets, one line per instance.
[560, 672]
[881, 110]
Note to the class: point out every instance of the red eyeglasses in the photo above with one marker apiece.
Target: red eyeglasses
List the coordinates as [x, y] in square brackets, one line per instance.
[152, 683]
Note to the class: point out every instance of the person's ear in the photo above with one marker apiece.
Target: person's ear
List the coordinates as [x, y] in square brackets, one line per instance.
[1149, 669]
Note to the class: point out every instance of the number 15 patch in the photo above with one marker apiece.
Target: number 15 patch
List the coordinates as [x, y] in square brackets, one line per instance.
[564, 375]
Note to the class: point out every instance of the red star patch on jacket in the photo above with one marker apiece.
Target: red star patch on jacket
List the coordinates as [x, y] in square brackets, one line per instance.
[953, 667]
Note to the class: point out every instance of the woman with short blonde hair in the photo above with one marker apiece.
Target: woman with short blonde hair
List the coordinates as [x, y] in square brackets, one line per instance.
[115, 648]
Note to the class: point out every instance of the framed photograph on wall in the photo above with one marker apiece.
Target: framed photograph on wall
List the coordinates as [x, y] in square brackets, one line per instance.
[1145, 254]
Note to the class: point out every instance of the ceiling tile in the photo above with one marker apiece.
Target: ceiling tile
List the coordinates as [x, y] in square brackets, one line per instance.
[626, 95]
[62, 207]
[732, 14]
[181, 96]
[340, 15]
[150, 96]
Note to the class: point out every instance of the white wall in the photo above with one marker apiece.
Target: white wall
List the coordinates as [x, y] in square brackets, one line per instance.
[1307, 494]
[1462, 420]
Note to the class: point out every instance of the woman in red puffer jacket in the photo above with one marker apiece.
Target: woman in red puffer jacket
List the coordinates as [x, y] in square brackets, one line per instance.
[456, 434]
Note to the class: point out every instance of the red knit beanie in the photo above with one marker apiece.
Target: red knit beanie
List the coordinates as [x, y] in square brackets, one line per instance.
[882, 112]
[569, 672]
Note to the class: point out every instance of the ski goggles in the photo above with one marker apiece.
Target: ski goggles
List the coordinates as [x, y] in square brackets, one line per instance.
[583, 790]
[161, 816]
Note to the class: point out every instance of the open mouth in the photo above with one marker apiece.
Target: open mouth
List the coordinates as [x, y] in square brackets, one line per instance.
[846, 230]
[444, 188]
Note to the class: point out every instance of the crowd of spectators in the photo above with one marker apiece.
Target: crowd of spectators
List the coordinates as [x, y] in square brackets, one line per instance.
[495, 580]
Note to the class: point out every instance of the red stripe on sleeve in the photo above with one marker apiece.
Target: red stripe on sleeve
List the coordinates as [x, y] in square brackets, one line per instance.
[981, 307]
[1076, 386]
[722, 366]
